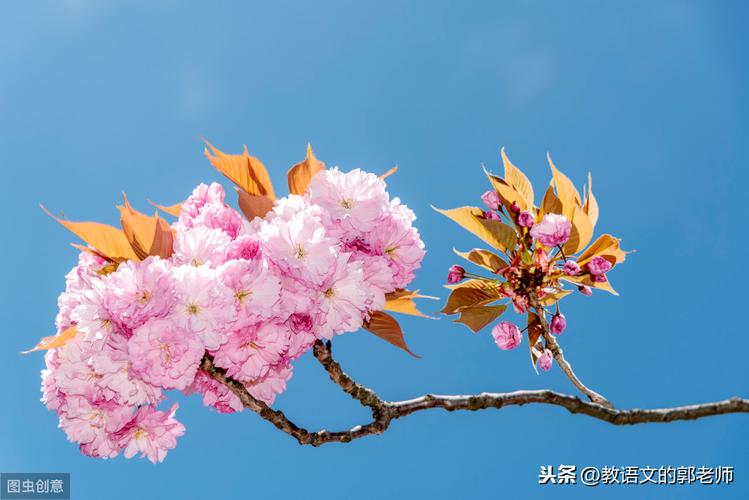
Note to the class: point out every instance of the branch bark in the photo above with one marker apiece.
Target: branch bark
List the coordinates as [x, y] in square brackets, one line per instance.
[384, 412]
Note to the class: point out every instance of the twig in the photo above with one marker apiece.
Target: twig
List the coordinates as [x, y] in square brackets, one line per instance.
[556, 350]
[384, 412]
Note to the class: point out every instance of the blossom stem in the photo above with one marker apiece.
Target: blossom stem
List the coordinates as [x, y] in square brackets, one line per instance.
[556, 350]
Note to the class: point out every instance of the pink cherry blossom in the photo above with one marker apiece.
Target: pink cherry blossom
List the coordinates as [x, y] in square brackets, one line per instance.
[343, 299]
[151, 433]
[256, 295]
[201, 245]
[300, 247]
[244, 247]
[86, 422]
[272, 384]
[138, 291]
[355, 199]
[256, 290]
[598, 266]
[252, 351]
[571, 268]
[506, 335]
[164, 354]
[201, 196]
[553, 230]
[401, 245]
[214, 393]
[205, 306]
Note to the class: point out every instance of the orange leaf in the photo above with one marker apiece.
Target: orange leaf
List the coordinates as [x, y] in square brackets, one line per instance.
[387, 328]
[566, 191]
[147, 235]
[606, 246]
[585, 279]
[54, 341]
[551, 204]
[254, 206]
[301, 174]
[402, 301]
[472, 293]
[389, 173]
[581, 232]
[507, 193]
[170, 209]
[534, 332]
[478, 317]
[553, 297]
[591, 204]
[496, 233]
[244, 170]
[163, 239]
[483, 258]
[515, 177]
[108, 241]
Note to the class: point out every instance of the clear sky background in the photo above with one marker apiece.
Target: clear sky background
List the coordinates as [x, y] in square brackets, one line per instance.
[97, 98]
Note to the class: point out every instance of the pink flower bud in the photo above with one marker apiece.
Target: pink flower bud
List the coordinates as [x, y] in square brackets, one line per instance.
[553, 230]
[455, 274]
[526, 219]
[598, 265]
[585, 290]
[491, 215]
[544, 362]
[515, 207]
[571, 268]
[558, 324]
[598, 278]
[491, 200]
[506, 335]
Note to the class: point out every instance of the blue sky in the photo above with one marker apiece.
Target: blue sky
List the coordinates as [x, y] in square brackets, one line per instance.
[97, 98]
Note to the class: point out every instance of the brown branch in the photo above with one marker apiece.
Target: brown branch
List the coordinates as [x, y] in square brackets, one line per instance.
[384, 412]
[556, 350]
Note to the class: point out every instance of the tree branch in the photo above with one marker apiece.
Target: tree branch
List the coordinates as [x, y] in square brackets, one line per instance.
[384, 412]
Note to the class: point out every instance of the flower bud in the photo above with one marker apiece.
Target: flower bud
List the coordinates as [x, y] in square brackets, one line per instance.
[506, 335]
[571, 268]
[455, 274]
[526, 219]
[585, 290]
[558, 324]
[515, 207]
[598, 278]
[491, 215]
[544, 362]
[491, 200]
[598, 265]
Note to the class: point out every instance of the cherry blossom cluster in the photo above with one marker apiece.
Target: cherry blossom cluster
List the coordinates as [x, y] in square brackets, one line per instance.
[254, 295]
